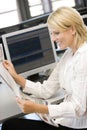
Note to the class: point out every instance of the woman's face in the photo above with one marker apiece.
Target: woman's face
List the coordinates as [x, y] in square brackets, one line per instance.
[64, 39]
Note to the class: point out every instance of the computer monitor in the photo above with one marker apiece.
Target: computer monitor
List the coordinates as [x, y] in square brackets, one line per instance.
[30, 50]
[84, 16]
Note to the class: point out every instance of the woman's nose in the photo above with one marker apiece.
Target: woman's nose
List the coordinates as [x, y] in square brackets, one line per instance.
[53, 38]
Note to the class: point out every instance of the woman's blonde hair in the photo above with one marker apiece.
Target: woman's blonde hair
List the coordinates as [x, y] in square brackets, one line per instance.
[66, 17]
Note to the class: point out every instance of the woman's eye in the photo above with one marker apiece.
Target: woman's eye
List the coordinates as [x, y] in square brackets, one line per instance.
[57, 33]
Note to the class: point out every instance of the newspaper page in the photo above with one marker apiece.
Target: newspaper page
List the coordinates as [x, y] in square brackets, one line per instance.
[1, 53]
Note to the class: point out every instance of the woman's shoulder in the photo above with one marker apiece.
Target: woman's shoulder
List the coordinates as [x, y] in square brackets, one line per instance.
[83, 49]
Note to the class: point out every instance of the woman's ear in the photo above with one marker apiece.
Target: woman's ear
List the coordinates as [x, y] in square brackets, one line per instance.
[73, 30]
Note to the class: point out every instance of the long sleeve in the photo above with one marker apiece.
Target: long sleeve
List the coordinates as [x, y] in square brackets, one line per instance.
[45, 90]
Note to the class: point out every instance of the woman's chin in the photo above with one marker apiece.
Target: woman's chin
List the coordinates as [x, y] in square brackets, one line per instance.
[62, 48]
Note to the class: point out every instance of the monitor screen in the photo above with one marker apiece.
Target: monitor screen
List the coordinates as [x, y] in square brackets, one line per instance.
[30, 50]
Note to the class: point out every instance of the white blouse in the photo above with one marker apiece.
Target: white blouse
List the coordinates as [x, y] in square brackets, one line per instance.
[70, 74]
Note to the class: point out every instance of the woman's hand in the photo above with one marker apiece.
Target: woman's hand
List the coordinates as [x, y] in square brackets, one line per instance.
[19, 79]
[9, 66]
[28, 106]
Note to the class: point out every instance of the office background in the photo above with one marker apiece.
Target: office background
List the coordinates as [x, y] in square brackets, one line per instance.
[20, 14]
[14, 12]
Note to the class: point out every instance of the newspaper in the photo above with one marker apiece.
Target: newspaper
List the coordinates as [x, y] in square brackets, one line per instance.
[16, 90]
[1, 53]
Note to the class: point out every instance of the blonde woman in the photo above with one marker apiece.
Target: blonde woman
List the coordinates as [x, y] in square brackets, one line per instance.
[69, 32]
